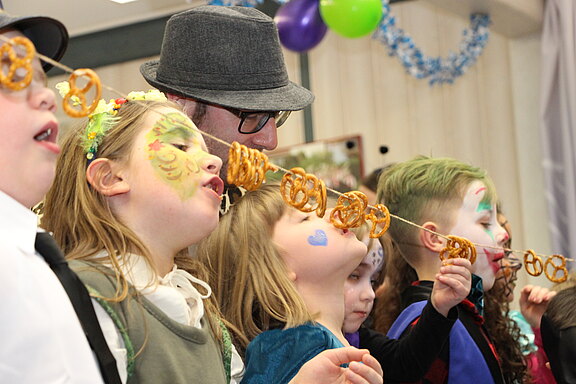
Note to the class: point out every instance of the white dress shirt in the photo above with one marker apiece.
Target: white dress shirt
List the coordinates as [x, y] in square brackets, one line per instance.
[174, 294]
[41, 339]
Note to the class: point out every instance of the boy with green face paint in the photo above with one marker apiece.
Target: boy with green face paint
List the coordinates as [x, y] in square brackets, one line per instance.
[450, 198]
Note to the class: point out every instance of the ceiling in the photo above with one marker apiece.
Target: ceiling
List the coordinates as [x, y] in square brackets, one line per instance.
[512, 18]
[85, 16]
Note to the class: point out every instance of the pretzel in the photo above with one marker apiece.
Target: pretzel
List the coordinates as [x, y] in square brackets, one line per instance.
[80, 93]
[562, 267]
[17, 62]
[247, 167]
[533, 263]
[458, 247]
[304, 191]
[380, 218]
[349, 210]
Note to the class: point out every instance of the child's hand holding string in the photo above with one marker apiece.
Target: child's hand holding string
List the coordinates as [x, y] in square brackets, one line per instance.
[325, 368]
[452, 284]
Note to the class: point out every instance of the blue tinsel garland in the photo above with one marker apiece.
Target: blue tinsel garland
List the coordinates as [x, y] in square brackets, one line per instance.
[437, 69]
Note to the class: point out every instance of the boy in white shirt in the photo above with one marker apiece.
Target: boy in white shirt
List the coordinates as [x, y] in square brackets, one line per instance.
[42, 340]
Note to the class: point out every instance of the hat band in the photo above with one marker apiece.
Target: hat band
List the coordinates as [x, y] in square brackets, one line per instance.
[224, 82]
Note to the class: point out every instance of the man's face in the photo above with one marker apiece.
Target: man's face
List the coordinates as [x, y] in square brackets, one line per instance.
[223, 124]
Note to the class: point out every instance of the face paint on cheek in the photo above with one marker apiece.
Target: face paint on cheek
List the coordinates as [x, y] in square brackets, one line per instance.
[319, 239]
[174, 166]
[490, 233]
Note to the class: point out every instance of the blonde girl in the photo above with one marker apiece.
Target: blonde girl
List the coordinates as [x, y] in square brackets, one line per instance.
[279, 275]
[132, 192]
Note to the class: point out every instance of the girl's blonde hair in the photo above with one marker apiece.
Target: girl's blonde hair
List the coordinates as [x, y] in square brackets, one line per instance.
[250, 277]
[81, 218]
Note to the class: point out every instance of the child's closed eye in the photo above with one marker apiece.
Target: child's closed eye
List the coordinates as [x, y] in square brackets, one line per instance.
[354, 276]
[182, 147]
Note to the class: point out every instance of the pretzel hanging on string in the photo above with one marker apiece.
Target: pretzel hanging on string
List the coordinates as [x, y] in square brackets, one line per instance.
[550, 261]
[247, 167]
[458, 247]
[533, 263]
[304, 191]
[349, 210]
[20, 71]
[76, 97]
[380, 218]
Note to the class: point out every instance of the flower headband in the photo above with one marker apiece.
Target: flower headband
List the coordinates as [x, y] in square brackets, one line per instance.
[104, 116]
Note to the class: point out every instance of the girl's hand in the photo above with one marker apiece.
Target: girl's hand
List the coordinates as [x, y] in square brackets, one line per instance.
[325, 368]
[533, 303]
[452, 284]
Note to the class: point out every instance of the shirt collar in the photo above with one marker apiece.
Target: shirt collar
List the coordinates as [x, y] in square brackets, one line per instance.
[18, 224]
[476, 295]
[173, 293]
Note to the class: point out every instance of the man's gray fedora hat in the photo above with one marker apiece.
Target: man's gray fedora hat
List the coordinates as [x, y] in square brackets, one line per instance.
[49, 36]
[228, 56]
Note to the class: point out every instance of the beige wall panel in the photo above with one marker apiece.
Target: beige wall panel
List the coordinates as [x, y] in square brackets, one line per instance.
[393, 125]
[292, 132]
[422, 24]
[328, 108]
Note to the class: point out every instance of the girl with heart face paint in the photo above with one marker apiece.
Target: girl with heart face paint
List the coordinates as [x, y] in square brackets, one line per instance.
[280, 279]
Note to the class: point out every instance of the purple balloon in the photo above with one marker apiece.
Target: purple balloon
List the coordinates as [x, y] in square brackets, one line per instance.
[300, 25]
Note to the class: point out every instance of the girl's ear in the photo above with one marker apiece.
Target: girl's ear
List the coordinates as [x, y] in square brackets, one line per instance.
[104, 176]
[429, 240]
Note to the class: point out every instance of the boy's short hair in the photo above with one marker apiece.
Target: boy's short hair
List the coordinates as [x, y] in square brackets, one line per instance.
[427, 189]
[561, 311]
[558, 329]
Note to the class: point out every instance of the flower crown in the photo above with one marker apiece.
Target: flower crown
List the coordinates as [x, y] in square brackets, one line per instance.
[104, 116]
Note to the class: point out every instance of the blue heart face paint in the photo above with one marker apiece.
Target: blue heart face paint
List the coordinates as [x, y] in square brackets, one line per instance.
[318, 239]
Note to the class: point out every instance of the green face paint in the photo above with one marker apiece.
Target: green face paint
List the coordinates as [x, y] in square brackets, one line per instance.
[484, 206]
[173, 147]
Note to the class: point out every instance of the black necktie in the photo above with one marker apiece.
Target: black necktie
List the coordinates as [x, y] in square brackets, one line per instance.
[80, 299]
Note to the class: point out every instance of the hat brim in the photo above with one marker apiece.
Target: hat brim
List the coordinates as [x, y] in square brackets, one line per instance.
[49, 36]
[291, 97]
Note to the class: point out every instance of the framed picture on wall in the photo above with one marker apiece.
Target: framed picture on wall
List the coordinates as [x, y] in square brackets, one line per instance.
[336, 161]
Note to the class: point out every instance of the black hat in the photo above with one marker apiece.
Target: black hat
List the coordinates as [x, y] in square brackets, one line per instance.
[228, 56]
[49, 36]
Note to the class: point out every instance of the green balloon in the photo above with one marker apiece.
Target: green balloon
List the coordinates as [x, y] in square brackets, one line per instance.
[351, 18]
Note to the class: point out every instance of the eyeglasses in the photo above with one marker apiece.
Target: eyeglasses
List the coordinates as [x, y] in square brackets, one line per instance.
[252, 122]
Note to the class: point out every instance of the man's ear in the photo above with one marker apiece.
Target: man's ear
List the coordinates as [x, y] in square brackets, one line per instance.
[429, 240]
[104, 175]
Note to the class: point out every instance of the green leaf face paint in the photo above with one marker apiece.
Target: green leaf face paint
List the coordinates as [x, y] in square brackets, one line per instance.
[174, 147]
